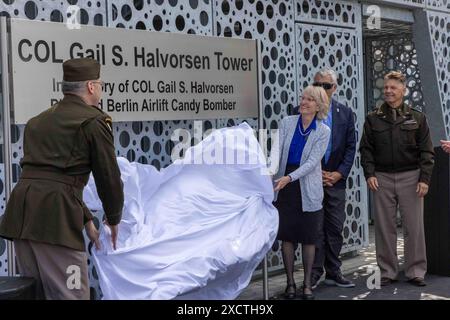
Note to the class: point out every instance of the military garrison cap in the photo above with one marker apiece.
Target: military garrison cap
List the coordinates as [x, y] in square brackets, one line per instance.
[81, 69]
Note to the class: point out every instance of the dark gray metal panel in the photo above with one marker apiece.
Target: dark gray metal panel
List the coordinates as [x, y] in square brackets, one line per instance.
[427, 34]
[437, 217]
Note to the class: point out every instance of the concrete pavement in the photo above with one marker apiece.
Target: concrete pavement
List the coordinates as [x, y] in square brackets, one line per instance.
[359, 269]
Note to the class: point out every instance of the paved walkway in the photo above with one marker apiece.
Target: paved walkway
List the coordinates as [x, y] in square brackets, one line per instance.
[358, 269]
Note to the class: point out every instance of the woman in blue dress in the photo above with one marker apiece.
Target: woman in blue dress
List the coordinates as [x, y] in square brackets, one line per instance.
[302, 144]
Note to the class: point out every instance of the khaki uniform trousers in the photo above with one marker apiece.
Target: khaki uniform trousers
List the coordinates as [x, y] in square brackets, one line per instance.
[398, 190]
[61, 273]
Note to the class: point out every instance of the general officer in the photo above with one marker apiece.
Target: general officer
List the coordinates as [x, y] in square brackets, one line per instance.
[45, 214]
[398, 158]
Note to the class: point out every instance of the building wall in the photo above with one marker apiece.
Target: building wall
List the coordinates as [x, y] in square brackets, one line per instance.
[439, 34]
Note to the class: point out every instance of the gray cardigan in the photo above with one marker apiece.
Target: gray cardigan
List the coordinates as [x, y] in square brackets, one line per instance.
[310, 171]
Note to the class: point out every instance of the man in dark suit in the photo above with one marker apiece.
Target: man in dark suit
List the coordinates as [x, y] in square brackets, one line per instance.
[336, 166]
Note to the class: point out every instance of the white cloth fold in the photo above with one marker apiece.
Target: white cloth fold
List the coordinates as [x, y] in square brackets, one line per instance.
[190, 231]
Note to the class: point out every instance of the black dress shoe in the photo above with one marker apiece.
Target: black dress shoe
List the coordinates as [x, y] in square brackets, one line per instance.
[290, 292]
[339, 280]
[386, 281]
[420, 282]
[307, 296]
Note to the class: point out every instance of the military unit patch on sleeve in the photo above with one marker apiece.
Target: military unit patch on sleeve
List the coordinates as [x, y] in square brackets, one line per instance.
[108, 121]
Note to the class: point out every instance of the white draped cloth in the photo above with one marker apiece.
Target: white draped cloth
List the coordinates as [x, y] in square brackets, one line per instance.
[194, 230]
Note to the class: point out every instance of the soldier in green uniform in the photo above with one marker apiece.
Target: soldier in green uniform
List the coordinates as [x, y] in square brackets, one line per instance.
[45, 214]
[397, 157]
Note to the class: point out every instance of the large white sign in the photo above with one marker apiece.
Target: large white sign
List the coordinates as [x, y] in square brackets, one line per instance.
[147, 75]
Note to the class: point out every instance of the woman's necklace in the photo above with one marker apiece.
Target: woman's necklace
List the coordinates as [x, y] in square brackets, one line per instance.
[300, 130]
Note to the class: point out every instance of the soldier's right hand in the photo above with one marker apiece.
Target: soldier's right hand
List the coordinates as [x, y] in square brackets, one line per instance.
[92, 233]
[114, 233]
[372, 182]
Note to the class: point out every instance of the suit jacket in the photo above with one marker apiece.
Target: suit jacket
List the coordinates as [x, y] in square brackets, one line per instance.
[343, 142]
[309, 173]
[62, 145]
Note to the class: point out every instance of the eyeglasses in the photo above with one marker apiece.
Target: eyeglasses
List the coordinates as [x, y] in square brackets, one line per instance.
[98, 81]
[325, 85]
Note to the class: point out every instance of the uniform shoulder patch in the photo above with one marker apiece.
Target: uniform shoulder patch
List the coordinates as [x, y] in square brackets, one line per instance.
[373, 112]
[108, 121]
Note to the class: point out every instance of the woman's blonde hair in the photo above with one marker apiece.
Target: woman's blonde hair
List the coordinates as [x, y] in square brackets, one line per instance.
[321, 98]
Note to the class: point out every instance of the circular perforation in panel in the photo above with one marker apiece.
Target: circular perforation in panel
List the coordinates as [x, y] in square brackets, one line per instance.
[272, 23]
[394, 53]
[318, 47]
[151, 142]
[327, 12]
[193, 17]
[439, 27]
[92, 12]
[313, 55]
[442, 5]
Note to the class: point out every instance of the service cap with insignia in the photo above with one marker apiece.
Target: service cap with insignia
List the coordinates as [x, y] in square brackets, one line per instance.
[81, 69]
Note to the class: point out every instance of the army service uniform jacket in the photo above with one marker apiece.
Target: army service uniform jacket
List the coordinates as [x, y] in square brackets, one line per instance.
[62, 146]
[397, 145]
